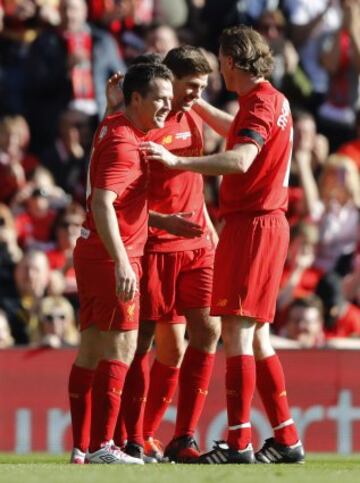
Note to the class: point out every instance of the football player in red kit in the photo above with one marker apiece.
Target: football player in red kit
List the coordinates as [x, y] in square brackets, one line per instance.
[107, 263]
[251, 252]
[176, 284]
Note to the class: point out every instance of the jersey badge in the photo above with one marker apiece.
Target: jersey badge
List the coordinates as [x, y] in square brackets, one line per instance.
[131, 311]
[167, 140]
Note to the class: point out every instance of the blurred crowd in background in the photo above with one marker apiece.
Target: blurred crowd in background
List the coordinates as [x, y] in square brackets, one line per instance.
[55, 59]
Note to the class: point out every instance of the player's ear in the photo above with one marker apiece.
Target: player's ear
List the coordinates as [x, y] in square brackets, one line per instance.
[230, 62]
[136, 98]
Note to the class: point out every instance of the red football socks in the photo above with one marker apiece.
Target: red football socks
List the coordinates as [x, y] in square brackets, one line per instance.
[271, 387]
[80, 389]
[163, 382]
[108, 384]
[195, 373]
[240, 387]
[133, 400]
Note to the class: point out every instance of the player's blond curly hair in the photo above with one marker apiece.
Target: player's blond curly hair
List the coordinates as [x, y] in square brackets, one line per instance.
[249, 50]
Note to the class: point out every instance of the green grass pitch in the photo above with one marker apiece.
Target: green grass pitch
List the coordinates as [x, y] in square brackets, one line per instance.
[44, 468]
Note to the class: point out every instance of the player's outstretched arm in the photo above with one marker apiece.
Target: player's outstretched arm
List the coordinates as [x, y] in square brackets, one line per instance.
[108, 230]
[235, 161]
[176, 223]
[217, 119]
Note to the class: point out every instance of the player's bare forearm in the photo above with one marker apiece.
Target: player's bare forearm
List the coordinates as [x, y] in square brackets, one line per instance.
[176, 223]
[220, 121]
[107, 225]
[235, 161]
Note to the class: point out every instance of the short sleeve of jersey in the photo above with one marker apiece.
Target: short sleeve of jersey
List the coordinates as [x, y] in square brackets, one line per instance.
[256, 124]
[115, 169]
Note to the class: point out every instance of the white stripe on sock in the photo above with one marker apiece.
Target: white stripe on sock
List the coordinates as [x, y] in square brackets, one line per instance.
[240, 426]
[288, 422]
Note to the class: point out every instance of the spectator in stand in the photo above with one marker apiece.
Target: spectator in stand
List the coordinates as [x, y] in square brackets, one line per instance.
[67, 230]
[287, 75]
[219, 14]
[305, 323]
[333, 206]
[300, 277]
[56, 328]
[12, 171]
[20, 30]
[67, 157]
[35, 223]
[340, 56]
[306, 139]
[309, 22]
[68, 64]
[342, 319]
[351, 281]
[6, 339]
[351, 149]
[1, 16]
[21, 300]
[10, 252]
[160, 38]
[41, 179]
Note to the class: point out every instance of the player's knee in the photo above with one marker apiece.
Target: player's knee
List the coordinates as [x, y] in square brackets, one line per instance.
[88, 359]
[205, 336]
[145, 337]
[171, 355]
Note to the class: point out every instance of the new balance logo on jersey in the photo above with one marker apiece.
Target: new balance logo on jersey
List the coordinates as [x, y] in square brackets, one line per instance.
[183, 135]
[284, 116]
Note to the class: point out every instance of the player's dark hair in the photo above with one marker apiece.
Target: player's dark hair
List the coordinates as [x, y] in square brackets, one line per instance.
[187, 60]
[249, 50]
[139, 79]
[149, 58]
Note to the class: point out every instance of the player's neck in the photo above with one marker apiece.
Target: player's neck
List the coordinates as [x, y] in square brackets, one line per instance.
[246, 83]
[132, 116]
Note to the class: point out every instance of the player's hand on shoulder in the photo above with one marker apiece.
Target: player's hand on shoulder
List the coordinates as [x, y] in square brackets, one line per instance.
[179, 224]
[156, 152]
[114, 93]
[126, 281]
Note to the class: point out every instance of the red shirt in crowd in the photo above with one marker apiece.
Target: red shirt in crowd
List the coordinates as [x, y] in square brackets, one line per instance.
[347, 325]
[32, 229]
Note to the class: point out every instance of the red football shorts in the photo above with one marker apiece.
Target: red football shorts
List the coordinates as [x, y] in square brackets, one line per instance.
[99, 304]
[249, 262]
[176, 281]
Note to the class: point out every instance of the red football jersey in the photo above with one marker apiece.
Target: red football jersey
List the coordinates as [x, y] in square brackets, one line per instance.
[173, 191]
[116, 165]
[264, 119]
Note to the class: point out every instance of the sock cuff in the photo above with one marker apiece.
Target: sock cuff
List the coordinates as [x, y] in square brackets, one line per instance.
[141, 358]
[82, 372]
[111, 368]
[270, 360]
[241, 361]
[167, 371]
[194, 357]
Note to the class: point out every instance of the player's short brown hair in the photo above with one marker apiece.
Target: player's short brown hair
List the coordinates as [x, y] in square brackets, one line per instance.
[187, 60]
[139, 78]
[249, 50]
